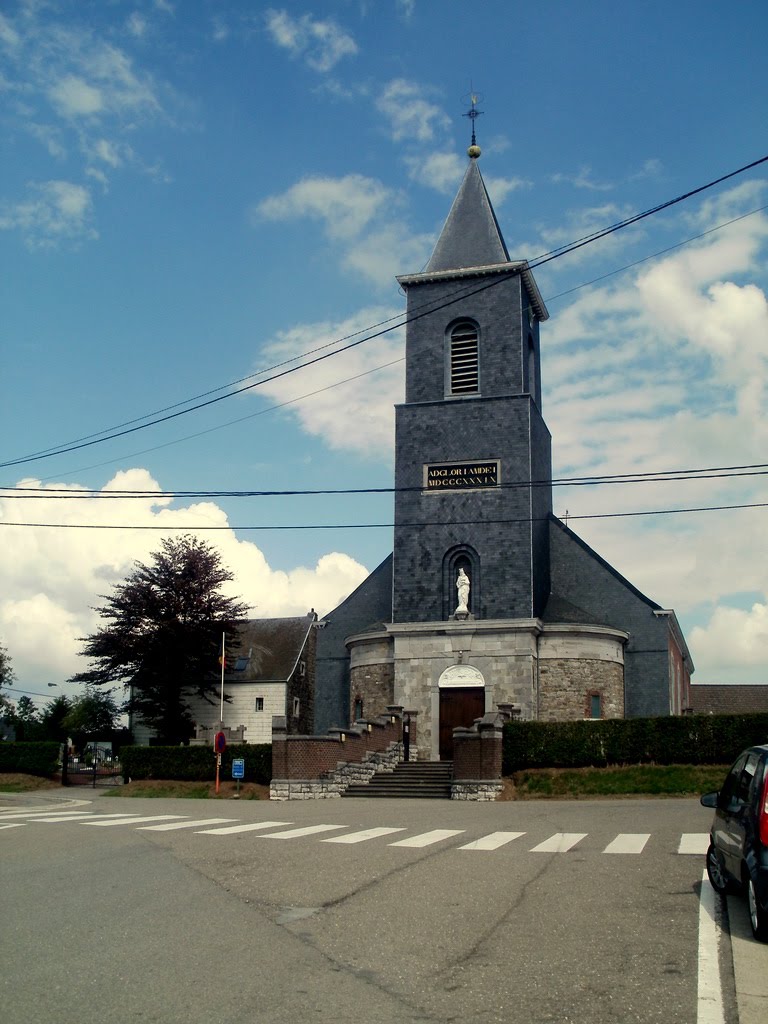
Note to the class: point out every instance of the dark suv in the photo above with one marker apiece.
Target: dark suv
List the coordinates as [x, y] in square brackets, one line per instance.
[737, 857]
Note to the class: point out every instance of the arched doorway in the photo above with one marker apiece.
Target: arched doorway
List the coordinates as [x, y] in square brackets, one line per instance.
[462, 700]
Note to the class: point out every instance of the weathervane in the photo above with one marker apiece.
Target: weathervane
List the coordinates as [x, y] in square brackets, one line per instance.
[473, 113]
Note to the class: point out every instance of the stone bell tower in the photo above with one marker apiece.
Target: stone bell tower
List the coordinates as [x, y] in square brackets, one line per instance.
[470, 436]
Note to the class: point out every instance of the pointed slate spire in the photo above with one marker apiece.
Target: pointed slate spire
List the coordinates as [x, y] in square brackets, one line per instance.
[471, 236]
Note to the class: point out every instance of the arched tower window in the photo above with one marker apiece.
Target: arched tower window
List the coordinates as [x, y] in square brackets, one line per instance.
[464, 364]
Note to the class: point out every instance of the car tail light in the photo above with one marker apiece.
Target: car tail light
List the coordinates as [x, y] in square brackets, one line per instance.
[762, 813]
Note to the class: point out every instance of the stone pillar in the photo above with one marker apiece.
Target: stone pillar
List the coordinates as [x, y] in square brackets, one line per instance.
[279, 747]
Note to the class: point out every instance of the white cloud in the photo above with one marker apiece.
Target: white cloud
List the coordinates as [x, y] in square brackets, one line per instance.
[581, 180]
[351, 417]
[322, 44]
[410, 115]
[356, 215]
[73, 97]
[441, 171]
[733, 641]
[344, 205]
[136, 25]
[57, 576]
[55, 212]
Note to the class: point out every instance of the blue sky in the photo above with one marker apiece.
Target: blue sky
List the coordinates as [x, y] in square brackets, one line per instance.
[193, 192]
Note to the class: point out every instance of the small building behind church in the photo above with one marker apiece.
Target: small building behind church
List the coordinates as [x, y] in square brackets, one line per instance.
[272, 672]
[488, 600]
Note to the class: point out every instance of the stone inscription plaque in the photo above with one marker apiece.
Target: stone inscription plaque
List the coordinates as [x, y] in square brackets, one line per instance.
[458, 476]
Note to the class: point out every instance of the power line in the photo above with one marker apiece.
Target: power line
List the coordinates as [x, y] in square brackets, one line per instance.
[652, 476]
[375, 369]
[195, 528]
[132, 426]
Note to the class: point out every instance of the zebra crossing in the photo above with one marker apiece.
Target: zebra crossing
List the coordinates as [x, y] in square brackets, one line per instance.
[627, 844]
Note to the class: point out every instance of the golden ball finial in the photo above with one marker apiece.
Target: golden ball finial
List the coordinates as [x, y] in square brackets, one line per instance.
[474, 152]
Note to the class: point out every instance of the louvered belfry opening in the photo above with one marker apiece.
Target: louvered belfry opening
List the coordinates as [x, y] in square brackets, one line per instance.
[464, 360]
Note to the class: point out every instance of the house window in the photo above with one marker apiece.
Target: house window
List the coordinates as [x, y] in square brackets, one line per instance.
[358, 708]
[241, 664]
[464, 368]
[296, 707]
[259, 704]
[594, 705]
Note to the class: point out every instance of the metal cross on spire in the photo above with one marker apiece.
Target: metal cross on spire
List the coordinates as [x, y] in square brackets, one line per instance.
[473, 113]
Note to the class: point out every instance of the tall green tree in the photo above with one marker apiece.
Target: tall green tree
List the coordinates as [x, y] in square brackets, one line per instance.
[6, 679]
[25, 719]
[163, 632]
[52, 718]
[91, 716]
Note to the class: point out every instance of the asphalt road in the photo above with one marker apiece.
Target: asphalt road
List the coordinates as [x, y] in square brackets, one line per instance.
[129, 922]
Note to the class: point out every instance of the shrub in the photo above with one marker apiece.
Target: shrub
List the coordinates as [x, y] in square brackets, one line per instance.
[196, 764]
[30, 758]
[688, 739]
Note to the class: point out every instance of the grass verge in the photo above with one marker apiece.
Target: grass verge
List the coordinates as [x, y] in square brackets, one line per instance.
[189, 790]
[641, 780]
[16, 782]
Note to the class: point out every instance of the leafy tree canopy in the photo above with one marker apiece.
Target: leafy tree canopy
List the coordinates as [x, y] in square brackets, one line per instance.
[6, 679]
[92, 715]
[162, 636]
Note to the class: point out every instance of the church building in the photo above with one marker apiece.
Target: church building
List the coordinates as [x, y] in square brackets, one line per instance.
[488, 599]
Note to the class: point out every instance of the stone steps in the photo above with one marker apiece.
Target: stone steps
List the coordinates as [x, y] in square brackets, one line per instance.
[423, 780]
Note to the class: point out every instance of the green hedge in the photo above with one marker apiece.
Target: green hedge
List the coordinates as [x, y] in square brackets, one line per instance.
[688, 739]
[196, 764]
[30, 758]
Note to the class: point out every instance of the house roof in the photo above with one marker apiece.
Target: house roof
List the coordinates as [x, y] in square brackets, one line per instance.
[728, 698]
[269, 649]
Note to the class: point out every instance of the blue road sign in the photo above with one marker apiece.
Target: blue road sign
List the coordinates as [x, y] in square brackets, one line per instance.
[238, 767]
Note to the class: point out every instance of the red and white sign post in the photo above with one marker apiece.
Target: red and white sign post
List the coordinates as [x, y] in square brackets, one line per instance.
[219, 746]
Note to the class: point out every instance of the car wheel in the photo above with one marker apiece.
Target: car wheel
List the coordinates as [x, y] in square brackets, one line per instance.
[758, 917]
[721, 882]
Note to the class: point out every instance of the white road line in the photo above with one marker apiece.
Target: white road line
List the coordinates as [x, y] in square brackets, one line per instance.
[428, 838]
[309, 830]
[709, 1009]
[90, 815]
[183, 824]
[694, 842]
[16, 824]
[231, 830]
[132, 821]
[492, 841]
[38, 814]
[628, 842]
[560, 842]
[361, 837]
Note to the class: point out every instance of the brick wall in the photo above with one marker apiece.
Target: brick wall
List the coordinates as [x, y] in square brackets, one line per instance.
[311, 757]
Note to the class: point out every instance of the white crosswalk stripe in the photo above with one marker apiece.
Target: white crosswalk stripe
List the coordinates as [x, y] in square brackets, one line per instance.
[170, 826]
[364, 836]
[628, 842]
[38, 814]
[625, 843]
[231, 830]
[694, 842]
[132, 821]
[308, 830]
[428, 838]
[494, 841]
[89, 816]
[560, 842]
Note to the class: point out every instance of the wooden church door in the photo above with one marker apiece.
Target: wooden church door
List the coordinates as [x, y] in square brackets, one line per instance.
[459, 706]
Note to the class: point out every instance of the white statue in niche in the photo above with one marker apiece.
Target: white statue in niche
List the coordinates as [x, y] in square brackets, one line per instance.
[462, 587]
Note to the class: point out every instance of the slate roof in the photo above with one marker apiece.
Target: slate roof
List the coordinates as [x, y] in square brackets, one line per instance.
[269, 649]
[471, 236]
[728, 698]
